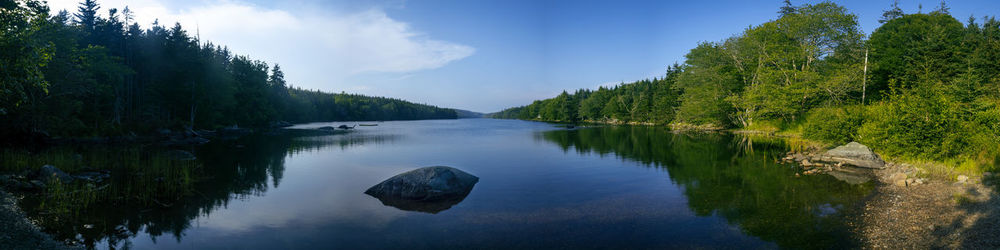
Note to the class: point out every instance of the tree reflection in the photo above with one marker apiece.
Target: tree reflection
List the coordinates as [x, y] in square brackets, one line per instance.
[228, 170]
[736, 178]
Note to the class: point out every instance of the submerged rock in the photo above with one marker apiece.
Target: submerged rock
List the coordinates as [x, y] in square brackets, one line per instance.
[854, 154]
[432, 207]
[850, 177]
[428, 189]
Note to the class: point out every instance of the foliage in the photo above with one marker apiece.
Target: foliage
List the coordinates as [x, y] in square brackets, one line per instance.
[836, 125]
[915, 48]
[87, 74]
[23, 56]
[924, 86]
[917, 123]
[646, 101]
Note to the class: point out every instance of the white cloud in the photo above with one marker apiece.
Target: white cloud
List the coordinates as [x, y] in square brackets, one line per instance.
[312, 47]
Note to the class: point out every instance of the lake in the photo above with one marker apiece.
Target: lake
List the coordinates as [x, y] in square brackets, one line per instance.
[541, 186]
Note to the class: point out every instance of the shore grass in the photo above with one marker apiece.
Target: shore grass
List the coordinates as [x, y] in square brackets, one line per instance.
[947, 169]
[143, 176]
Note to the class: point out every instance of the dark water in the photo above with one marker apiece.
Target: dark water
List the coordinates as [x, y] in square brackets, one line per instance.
[540, 187]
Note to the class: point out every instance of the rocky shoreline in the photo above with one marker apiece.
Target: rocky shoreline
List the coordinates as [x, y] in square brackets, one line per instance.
[167, 137]
[20, 233]
[908, 209]
[938, 214]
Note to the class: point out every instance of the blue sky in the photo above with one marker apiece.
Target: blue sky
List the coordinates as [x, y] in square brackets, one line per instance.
[478, 55]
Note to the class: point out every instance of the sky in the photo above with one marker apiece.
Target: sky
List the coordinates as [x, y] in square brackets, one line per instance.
[477, 55]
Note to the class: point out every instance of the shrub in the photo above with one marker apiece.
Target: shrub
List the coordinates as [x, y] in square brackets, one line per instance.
[837, 125]
[990, 117]
[920, 125]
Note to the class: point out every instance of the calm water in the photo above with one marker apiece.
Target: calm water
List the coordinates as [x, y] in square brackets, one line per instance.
[540, 187]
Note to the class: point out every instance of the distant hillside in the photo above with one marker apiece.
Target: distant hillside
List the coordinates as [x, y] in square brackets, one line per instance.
[468, 114]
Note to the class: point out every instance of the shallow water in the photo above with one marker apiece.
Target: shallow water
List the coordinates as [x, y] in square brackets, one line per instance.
[540, 187]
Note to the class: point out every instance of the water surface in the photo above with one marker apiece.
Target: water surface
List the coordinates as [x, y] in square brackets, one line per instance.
[540, 187]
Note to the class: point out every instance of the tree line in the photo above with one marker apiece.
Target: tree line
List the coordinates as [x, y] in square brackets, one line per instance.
[921, 85]
[85, 74]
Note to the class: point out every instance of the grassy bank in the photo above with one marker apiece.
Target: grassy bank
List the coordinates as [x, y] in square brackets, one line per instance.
[827, 128]
[811, 136]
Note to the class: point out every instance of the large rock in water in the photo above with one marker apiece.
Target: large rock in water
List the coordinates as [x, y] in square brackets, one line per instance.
[428, 189]
[428, 184]
[854, 154]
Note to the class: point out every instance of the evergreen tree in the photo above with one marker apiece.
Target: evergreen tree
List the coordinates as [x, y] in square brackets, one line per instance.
[86, 15]
[942, 9]
[893, 13]
[786, 9]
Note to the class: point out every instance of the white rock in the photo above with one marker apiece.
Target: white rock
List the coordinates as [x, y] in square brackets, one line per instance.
[962, 178]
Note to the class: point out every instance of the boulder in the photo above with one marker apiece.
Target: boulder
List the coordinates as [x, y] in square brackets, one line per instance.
[428, 183]
[48, 172]
[428, 189]
[854, 154]
[962, 178]
[896, 177]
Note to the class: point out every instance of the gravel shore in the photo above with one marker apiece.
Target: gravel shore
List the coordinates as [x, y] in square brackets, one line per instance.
[19, 233]
[935, 215]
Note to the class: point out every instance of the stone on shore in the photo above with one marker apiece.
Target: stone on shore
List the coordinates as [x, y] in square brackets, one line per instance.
[854, 154]
[962, 178]
[47, 172]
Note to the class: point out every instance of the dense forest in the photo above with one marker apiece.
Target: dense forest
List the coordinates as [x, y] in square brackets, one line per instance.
[922, 85]
[84, 74]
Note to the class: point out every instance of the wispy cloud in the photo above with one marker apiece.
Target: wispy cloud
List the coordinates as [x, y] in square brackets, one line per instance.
[316, 42]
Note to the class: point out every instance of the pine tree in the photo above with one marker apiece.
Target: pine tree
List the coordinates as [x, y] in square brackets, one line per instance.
[942, 9]
[787, 8]
[893, 13]
[87, 15]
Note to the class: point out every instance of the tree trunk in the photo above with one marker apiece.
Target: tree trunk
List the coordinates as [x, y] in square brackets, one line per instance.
[864, 79]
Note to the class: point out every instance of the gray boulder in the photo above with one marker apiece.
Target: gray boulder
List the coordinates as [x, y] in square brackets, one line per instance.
[48, 172]
[854, 154]
[425, 184]
[429, 189]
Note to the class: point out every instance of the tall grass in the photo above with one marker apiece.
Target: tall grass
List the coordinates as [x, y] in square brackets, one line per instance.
[143, 176]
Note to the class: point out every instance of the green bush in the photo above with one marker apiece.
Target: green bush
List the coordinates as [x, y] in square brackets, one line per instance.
[836, 125]
[990, 117]
[920, 125]
[986, 143]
